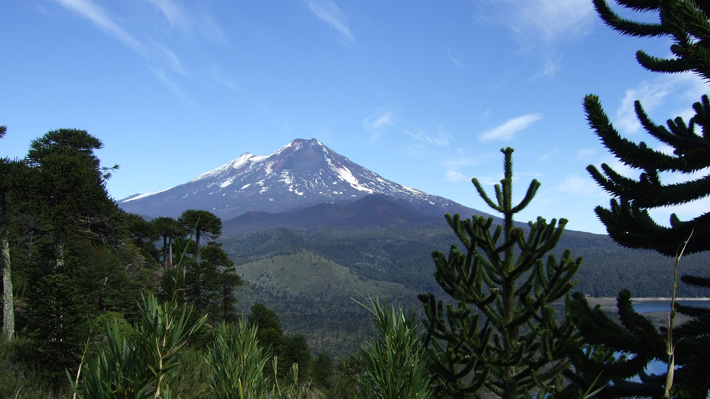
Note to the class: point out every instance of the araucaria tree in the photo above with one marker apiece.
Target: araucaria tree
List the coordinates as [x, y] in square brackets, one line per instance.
[500, 331]
[680, 149]
[70, 188]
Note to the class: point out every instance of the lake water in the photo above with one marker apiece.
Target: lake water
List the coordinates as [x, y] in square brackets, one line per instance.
[664, 305]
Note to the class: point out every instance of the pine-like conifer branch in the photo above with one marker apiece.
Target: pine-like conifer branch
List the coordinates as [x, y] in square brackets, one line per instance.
[625, 26]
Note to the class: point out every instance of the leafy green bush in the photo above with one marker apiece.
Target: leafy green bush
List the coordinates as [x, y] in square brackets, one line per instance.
[237, 363]
[144, 365]
[394, 365]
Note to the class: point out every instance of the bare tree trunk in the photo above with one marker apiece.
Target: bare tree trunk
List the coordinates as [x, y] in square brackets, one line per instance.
[170, 251]
[59, 245]
[8, 300]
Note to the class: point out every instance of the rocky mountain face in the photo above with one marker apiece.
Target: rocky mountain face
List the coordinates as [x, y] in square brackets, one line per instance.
[302, 174]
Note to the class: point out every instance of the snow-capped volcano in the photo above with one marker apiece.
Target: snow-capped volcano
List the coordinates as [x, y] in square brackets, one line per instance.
[300, 174]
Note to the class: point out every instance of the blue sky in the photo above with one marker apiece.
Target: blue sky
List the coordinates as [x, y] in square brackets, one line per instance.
[422, 93]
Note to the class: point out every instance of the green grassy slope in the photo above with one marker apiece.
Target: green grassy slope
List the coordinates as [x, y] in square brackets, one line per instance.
[316, 297]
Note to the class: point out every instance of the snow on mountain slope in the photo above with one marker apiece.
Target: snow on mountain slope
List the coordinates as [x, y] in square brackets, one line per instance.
[300, 174]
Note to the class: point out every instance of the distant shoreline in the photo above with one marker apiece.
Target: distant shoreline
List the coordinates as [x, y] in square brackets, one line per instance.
[609, 302]
[660, 298]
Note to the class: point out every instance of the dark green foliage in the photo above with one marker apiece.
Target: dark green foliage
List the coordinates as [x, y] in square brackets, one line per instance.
[204, 276]
[287, 351]
[641, 342]
[58, 316]
[627, 220]
[143, 234]
[346, 384]
[294, 350]
[629, 223]
[501, 332]
[19, 380]
[323, 371]
[268, 324]
[228, 282]
[201, 286]
[80, 265]
[395, 264]
[201, 224]
[69, 189]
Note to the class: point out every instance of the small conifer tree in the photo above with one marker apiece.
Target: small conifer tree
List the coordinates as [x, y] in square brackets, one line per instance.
[499, 331]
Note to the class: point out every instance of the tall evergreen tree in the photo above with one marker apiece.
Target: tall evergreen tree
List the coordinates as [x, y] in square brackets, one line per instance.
[501, 333]
[202, 224]
[269, 333]
[70, 188]
[143, 234]
[628, 222]
[58, 322]
[169, 229]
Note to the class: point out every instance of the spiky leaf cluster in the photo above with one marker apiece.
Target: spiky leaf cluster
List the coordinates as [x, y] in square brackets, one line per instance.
[684, 21]
[629, 223]
[627, 219]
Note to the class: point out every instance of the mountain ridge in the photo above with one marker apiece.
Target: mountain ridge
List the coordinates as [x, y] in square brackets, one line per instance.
[300, 174]
[371, 211]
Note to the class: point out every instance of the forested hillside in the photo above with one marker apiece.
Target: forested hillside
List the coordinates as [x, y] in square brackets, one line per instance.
[403, 256]
[340, 266]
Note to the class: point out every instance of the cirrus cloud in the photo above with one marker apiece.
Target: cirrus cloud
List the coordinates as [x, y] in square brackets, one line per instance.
[328, 12]
[507, 130]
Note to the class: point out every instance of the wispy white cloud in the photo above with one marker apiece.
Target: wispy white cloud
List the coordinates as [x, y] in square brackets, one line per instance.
[579, 185]
[671, 94]
[651, 95]
[439, 139]
[456, 165]
[328, 12]
[454, 60]
[386, 118]
[455, 176]
[490, 180]
[161, 59]
[586, 153]
[173, 12]
[551, 64]
[547, 21]
[99, 17]
[555, 20]
[376, 123]
[177, 91]
[171, 59]
[549, 154]
[218, 76]
[507, 130]
[189, 21]
[540, 26]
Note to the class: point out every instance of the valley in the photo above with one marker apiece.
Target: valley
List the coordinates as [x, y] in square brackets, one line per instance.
[312, 279]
